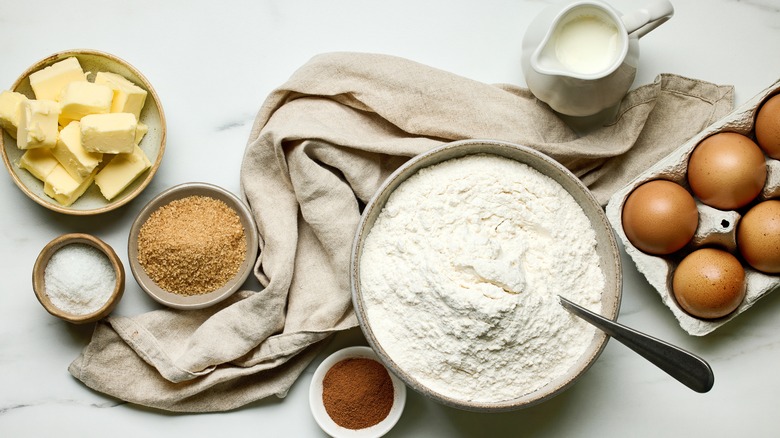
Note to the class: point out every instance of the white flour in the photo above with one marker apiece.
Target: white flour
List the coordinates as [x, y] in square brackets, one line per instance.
[461, 271]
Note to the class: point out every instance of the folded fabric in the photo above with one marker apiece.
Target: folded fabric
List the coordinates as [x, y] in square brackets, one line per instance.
[321, 145]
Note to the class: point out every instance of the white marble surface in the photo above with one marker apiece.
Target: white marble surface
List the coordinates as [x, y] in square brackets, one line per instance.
[213, 63]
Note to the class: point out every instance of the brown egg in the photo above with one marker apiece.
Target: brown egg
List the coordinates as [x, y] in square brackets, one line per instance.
[660, 217]
[727, 170]
[768, 127]
[709, 283]
[758, 236]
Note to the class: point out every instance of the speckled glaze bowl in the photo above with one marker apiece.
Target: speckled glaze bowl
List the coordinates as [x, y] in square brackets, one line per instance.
[153, 143]
[606, 248]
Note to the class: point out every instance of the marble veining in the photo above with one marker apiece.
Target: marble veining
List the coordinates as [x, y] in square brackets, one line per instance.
[6, 409]
[764, 5]
[232, 125]
[214, 63]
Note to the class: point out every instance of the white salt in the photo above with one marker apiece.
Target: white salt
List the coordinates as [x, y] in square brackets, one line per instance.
[79, 279]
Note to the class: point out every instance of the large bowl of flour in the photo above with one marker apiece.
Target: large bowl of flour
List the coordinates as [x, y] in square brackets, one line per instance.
[456, 269]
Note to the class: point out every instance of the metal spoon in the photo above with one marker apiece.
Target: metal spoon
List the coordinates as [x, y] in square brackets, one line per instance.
[686, 367]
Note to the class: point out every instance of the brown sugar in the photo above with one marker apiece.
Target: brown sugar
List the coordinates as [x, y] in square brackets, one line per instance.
[357, 393]
[192, 245]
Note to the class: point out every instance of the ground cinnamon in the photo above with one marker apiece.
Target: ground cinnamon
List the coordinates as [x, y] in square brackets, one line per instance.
[357, 393]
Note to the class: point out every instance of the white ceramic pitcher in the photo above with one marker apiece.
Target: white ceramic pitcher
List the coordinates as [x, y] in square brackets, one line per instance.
[580, 57]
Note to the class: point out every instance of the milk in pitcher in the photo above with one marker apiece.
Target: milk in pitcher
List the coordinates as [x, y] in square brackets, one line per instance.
[587, 44]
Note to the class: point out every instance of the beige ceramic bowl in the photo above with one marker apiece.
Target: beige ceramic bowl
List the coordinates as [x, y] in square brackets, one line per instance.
[153, 143]
[39, 283]
[203, 300]
[606, 248]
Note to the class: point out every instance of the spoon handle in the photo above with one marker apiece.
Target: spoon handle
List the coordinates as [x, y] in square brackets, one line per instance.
[686, 367]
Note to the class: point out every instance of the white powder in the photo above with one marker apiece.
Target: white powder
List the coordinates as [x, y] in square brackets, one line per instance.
[461, 271]
[79, 279]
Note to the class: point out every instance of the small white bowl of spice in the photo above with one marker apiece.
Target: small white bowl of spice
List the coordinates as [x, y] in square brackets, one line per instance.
[352, 394]
[78, 278]
[192, 246]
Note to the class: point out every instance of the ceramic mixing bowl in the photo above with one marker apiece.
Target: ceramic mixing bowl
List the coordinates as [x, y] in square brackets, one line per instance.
[606, 249]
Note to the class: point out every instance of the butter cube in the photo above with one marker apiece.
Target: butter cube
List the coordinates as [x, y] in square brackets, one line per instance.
[71, 154]
[63, 188]
[140, 131]
[49, 82]
[81, 98]
[64, 122]
[39, 162]
[122, 170]
[37, 124]
[128, 97]
[112, 133]
[10, 108]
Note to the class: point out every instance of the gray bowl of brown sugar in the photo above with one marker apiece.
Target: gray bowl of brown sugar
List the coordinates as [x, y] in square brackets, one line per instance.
[192, 246]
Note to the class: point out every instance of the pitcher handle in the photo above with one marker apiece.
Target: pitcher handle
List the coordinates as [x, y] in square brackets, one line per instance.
[644, 20]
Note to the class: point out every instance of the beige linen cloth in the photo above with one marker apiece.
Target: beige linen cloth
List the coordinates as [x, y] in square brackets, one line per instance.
[320, 146]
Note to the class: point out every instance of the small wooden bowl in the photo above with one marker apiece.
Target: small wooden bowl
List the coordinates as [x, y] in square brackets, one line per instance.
[39, 284]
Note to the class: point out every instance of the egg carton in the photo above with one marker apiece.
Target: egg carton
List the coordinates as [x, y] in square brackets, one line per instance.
[716, 227]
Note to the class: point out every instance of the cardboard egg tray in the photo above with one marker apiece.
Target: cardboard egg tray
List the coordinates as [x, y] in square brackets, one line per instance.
[716, 227]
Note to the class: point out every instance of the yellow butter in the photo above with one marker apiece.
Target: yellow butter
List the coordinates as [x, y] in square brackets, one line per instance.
[71, 154]
[37, 124]
[63, 188]
[10, 109]
[64, 122]
[49, 82]
[112, 133]
[79, 99]
[39, 162]
[128, 97]
[140, 131]
[121, 171]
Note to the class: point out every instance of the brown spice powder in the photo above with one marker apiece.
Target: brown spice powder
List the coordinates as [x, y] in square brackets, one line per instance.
[192, 245]
[357, 393]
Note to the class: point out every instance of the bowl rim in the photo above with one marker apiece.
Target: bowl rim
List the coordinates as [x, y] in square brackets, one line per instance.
[179, 191]
[38, 65]
[612, 272]
[39, 269]
[317, 407]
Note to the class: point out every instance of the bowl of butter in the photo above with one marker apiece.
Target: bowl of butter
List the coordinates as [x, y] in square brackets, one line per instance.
[83, 132]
